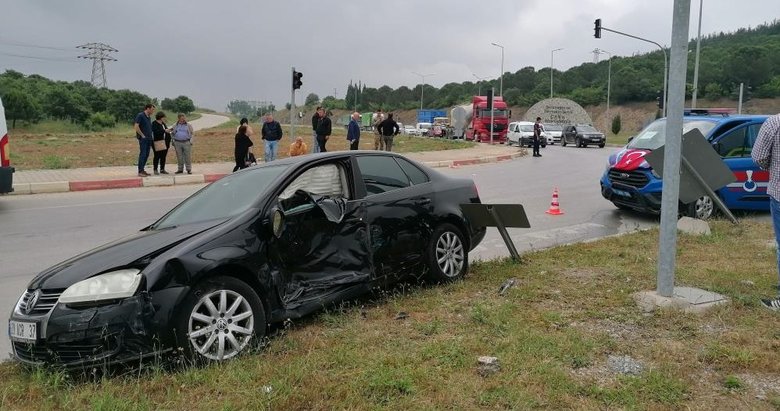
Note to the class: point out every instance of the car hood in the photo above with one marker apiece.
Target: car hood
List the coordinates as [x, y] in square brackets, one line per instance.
[125, 252]
[629, 159]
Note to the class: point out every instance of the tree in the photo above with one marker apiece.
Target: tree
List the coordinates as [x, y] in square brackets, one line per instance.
[184, 104]
[168, 104]
[241, 108]
[312, 99]
[20, 106]
[616, 124]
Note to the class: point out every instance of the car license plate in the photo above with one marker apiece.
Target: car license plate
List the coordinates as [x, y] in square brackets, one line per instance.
[22, 331]
[622, 193]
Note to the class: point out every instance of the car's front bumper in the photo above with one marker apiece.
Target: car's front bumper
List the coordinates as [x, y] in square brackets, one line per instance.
[629, 197]
[122, 331]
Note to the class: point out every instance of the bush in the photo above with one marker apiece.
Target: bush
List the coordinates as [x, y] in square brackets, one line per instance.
[99, 121]
[616, 124]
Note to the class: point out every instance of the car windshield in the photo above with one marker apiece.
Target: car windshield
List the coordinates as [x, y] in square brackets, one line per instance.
[527, 128]
[553, 127]
[654, 135]
[496, 113]
[586, 129]
[223, 198]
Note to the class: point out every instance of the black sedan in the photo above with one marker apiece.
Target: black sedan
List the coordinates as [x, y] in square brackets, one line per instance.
[266, 244]
[582, 135]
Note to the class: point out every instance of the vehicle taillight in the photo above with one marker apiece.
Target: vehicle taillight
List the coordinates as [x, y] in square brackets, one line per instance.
[5, 156]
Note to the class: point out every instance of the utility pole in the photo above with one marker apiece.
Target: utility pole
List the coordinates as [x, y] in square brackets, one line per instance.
[98, 53]
[696, 65]
[551, 69]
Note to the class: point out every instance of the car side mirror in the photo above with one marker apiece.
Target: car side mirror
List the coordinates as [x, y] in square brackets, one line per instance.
[629, 139]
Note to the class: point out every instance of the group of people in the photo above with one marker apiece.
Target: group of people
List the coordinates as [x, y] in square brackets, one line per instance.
[271, 133]
[156, 136]
[384, 131]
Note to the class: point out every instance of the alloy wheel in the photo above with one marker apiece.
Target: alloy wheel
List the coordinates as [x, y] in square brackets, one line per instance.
[450, 254]
[221, 325]
[703, 208]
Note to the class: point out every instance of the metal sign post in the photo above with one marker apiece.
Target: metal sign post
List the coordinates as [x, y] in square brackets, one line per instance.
[667, 249]
[292, 110]
[500, 216]
[490, 107]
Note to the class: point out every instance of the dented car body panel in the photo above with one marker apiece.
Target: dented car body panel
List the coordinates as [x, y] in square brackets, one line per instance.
[352, 222]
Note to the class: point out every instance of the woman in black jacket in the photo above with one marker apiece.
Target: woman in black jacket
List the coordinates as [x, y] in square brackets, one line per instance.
[243, 144]
[160, 132]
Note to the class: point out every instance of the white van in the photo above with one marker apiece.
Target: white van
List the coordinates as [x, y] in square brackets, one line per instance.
[6, 171]
[521, 133]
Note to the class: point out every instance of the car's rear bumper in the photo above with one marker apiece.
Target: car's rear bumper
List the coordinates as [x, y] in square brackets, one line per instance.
[6, 179]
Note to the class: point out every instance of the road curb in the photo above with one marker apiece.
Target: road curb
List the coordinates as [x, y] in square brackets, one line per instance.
[162, 181]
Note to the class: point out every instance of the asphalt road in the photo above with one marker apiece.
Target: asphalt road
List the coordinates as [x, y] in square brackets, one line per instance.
[37, 231]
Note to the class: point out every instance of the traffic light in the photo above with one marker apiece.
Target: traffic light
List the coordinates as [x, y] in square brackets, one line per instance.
[296, 80]
[659, 99]
[597, 29]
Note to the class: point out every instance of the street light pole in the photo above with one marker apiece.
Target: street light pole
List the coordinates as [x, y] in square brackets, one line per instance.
[609, 80]
[479, 84]
[501, 82]
[422, 87]
[696, 65]
[551, 70]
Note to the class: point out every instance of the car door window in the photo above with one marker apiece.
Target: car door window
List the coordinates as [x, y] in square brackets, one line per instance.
[752, 135]
[415, 174]
[327, 179]
[732, 144]
[381, 174]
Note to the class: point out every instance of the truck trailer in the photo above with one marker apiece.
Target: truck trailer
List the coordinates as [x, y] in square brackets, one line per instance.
[472, 121]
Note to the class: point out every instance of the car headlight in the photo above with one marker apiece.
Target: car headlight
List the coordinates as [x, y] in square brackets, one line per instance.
[652, 171]
[108, 286]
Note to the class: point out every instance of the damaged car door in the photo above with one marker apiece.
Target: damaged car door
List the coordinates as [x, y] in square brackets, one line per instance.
[319, 252]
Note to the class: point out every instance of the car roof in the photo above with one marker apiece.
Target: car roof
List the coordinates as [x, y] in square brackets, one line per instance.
[726, 119]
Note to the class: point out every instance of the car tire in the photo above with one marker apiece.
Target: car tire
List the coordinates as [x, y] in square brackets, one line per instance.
[601, 145]
[703, 208]
[577, 142]
[221, 335]
[447, 255]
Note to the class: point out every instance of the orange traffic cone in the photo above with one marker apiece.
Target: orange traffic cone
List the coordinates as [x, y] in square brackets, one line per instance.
[554, 206]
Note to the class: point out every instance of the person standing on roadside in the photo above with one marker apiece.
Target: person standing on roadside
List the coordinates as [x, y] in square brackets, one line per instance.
[388, 128]
[272, 133]
[315, 120]
[242, 148]
[182, 142]
[323, 130]
[144, 134]
[353, 131]
[766, 153]
[377, 118]
[537, 136]
[245, 122]
[162, 138]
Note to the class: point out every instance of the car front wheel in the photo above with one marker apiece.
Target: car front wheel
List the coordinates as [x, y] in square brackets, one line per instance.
[578, 142]
[220, 319]
[448, 258]
[703, 208]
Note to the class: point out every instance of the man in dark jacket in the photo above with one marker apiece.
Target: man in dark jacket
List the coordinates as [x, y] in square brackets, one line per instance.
[388, 128]
[323, 130]
[272, 133]
[353, 131]
[315, 119]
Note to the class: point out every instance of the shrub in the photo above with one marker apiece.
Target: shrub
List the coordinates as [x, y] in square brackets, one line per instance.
[99, 121]
[616, 124]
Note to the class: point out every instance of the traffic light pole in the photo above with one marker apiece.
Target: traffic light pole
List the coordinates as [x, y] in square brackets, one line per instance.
[666, 61]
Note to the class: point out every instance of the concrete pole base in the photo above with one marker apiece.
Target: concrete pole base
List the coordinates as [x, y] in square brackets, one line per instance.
[686, 299]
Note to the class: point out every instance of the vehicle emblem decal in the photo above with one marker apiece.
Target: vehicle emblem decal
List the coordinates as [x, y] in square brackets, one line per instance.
[32, 301]
[749, 185]
[624, 175]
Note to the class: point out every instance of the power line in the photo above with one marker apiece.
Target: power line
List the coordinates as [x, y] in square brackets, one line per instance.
[61, 59]
[35, 46]
[98, 53]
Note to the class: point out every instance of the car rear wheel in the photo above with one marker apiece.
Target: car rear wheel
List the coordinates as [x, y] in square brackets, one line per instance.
[703, 208]
[448, 257]
[220, 319]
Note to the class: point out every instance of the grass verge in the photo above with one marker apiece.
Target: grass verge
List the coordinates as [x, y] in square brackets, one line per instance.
[30, 151]
[555, 333]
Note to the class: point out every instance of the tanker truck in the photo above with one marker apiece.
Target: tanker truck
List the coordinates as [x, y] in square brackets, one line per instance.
[472, 121]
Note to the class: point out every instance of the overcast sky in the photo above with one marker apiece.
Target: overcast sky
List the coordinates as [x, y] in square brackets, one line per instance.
[215, 51]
